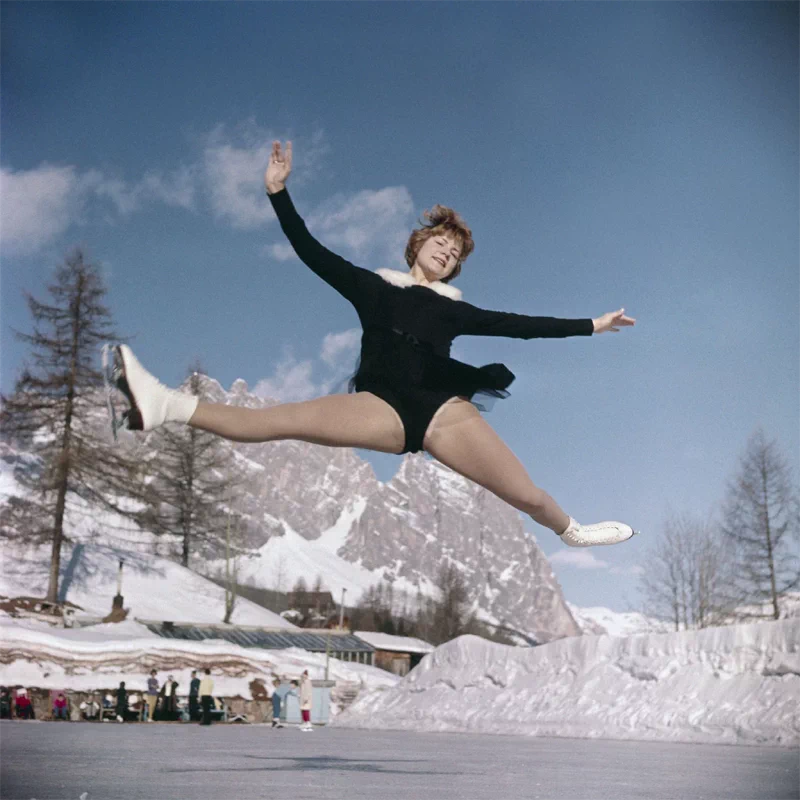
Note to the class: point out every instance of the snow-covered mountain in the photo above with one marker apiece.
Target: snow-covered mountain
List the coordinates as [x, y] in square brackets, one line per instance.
[598, 620]
[311, 510]
[337, 520]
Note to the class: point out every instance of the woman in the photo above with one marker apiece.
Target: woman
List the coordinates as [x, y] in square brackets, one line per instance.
[407, 394]
[306, 698]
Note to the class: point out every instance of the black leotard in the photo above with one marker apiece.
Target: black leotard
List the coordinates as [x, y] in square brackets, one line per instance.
[407, 333]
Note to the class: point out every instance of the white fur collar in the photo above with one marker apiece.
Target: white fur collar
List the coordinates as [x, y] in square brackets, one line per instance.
[404, 279]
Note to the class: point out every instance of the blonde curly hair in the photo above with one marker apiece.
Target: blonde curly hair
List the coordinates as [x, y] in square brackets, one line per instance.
[441, 220]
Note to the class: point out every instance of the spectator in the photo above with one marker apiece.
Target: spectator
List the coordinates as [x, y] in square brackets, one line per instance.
[152, 696]
[306, 693]
[60, 707]
[194, 697]
[206, 697]
[122, 702]
[277, 696]
[90, 709]
[23, 703]
[5, 703]
[169, 699]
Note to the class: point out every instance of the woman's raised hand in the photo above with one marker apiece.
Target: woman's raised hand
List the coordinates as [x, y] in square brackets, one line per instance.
[612, 321]
[279, 167]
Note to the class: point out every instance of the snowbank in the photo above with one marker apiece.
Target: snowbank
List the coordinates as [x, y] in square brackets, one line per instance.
[734, 685]
[100, 656]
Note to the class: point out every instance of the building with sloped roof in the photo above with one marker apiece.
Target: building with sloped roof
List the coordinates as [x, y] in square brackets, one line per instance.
[339, 644]
[397, 654]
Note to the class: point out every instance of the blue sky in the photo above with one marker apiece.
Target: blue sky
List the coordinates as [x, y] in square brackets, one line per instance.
[642, 155]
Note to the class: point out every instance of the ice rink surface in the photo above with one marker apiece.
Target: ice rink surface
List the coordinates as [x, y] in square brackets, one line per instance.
[68, 761]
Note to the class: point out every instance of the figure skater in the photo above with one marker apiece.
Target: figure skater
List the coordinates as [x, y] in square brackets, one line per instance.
[407, 394]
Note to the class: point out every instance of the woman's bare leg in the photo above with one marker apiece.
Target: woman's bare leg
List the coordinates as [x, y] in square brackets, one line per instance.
[339, 420]
[461, 439]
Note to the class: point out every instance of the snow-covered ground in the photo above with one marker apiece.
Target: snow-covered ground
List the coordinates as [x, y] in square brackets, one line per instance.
[738, 685]
[153, 587]
[100, 656]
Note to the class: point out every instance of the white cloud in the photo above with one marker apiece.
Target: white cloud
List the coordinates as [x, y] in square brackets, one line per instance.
[295, 380]
[369, 227]
[235, 184]
[369, 224]
[290, 383]
[38, 205]
[233, 165]
[579, 558]
[280, 252]
[339, 346]
[175, 189]
[41, 203]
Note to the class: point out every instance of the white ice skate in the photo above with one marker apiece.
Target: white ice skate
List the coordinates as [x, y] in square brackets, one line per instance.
[151, 403]
[577, 535]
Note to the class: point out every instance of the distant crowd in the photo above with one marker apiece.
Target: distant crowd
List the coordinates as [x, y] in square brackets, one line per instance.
[158, 703]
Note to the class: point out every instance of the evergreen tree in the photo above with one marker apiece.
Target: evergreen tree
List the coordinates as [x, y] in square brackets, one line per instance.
[56, 414]
[451, 616]
[193, 483]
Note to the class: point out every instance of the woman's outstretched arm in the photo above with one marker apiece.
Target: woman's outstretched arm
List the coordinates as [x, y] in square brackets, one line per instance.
[481, 322]
[350, 281]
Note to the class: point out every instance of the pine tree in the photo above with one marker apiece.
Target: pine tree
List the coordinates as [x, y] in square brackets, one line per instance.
[193, 484]
[762, 523]
[56, 414]
[451, 615]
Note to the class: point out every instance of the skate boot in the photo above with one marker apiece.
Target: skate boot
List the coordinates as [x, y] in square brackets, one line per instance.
[577, 535]
[151, 403]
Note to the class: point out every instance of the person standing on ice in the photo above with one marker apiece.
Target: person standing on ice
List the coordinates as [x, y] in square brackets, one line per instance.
[152, 696]
[408, 394]
[306, 699]
[168, 697]
[122, 702]
[276, 703]
[207, 697]
[194, 694]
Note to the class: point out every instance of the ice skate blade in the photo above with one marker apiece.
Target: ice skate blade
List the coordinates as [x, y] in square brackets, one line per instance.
[114, 377]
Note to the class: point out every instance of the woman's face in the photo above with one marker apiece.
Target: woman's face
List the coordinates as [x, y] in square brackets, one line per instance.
[438, 257]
